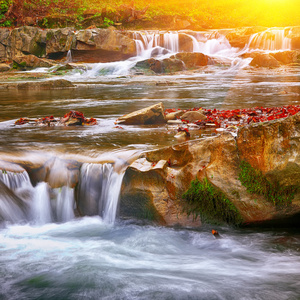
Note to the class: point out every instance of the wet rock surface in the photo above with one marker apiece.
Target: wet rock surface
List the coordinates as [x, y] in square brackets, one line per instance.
[150, 115]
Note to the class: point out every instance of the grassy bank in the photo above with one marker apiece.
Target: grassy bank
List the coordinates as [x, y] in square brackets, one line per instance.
[142, 13]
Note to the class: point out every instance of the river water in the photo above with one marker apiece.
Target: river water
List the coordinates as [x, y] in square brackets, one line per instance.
[63, 257]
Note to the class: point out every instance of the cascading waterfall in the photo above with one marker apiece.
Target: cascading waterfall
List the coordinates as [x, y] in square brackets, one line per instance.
[163, 45]
[65, 204]
[14, 180]
[271, 39]
[41, 207]
[99, 190]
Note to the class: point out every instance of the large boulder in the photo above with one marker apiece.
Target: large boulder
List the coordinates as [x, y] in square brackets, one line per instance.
[60, 40]
[111, 39]
[26, 40]
[193, 116]
[4, 34]
[27, 62]
[269, 151]
[286, 57]
[294, 35]
[172, 65]
[185, 42]
[192, 60]
[167, 65]
[158, 180]
[264, 60]
[4, 67]
[152, 64]
[239, 37]
[150, 115]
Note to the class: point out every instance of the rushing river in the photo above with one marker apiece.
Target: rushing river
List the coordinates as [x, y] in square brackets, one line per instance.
[64, 257]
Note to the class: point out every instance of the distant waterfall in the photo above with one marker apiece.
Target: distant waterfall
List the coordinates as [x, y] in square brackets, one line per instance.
[271, 39]
[99, 190]
[69, 57]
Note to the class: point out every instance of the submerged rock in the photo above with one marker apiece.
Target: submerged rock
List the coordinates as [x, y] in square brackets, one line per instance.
[150, 115]
[50, 84]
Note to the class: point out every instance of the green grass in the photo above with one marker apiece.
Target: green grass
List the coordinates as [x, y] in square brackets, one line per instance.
[257, 183]
[211, 204]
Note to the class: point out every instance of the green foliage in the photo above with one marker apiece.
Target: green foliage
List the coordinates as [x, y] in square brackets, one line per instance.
[4, 5]
[107, 22]
[257, 183]
[204, 200]
[7, 23]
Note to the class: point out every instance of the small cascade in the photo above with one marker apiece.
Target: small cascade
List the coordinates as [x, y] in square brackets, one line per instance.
[171, 41]
[216, 46]
[41, 212]
[271, 40]
[65, 204]
[14, 180]
[69, 57]
[99, 190]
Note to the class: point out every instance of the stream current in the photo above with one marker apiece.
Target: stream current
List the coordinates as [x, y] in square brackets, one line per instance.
[65, 257]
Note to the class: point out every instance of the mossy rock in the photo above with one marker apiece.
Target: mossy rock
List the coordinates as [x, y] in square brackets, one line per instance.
[203, 199]
[272, 186]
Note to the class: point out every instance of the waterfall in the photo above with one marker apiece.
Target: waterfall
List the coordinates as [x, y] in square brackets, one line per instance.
[14, 180]
[65, 204]
[41, 208]
[99, 190]
[69, 56]
[270, 39]
[171, 41]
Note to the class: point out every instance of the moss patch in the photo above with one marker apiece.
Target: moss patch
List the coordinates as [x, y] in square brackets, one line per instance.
[205, 200]
[257, 183]
[138, 204]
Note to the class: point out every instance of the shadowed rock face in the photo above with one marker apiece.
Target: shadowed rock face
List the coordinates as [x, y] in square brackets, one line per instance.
[161, 177]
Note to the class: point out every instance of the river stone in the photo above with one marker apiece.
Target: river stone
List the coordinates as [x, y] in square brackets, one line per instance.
[171, 65]
[174, 115]
[192, 60]
[4, 67]
[264, 60]
[47, 85]
[193, 116]
[26, 62]
[150, 115]
[285, 57]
